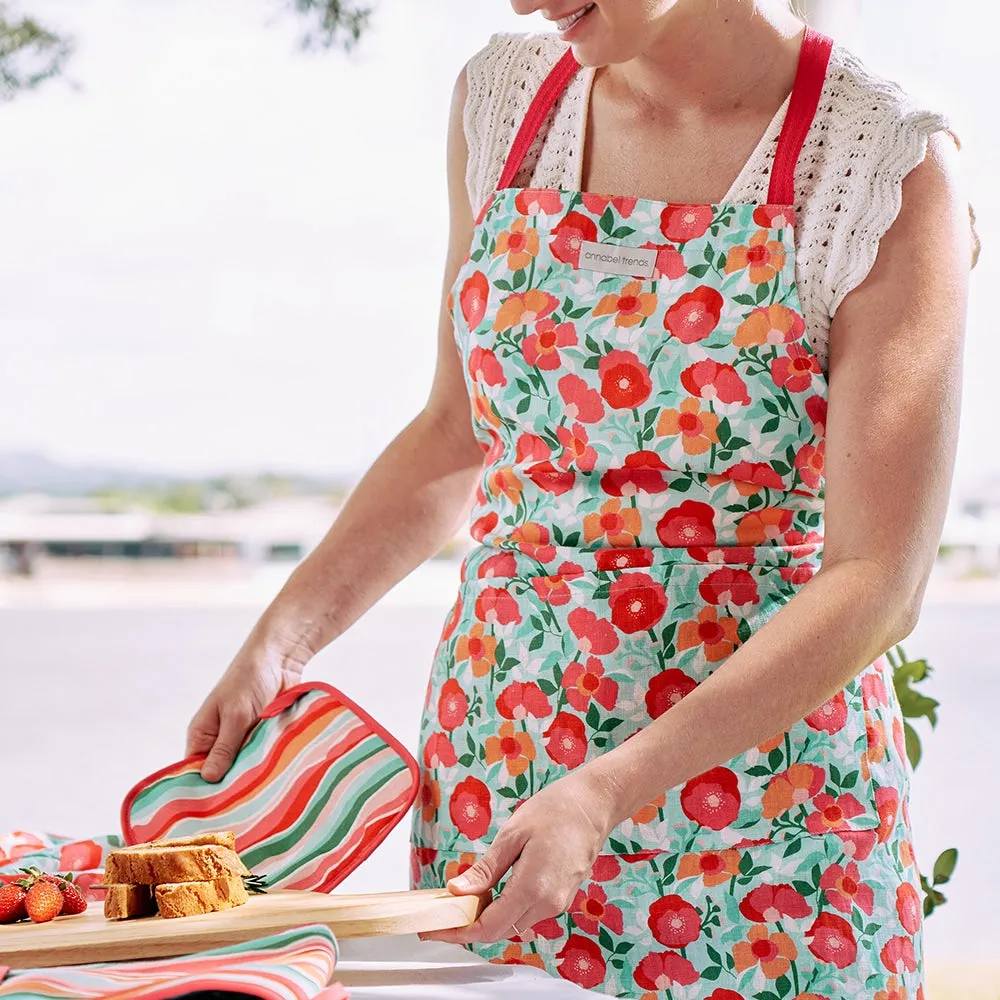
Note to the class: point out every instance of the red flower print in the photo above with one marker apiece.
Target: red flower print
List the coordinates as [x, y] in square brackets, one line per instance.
[451, 623]
[796, 574]
[721, 994]
[630, 308]
[692, 523]
[553, 589]
[643, 472]
[768, 904]
[887, 803]
[775, 324]
[538, 201]
[483, 526]
[832, 814]
[774, 216]
[524, 308]
[473, 298]
[816, 408]
[500, 566]
[606, 868]
[533, 540]
[625, 382]
[430, 798]
[79, 856]
[597, 203]
[711, 380]
[844, 889]
[795, 371]
[765, 525]
[659, 970]
[517, 701]
[728, 556]
[541, 348]
[582, 402]
[531, 448]
[570, 232]
[484, 367]
[719, 636]
[674, 922]
[712, 867]
[576, 450]
[438, 751]
[858, 844]
[792, 788]
[809, 462]
[595, 635]
[831, 716]
[908, 907]
[549, 479]
[620, 525]
[585, 682]
[425, 856]
[729, 586]
[669, 262]
[591, 908]
[581, 960]
[666, 689]
[497, 606]
[637, 602]
[566, 740]
[694, 315]
[897, 955]
[751, 477]
[609, 560]
[833, 940]
[772, 952]
[453, 705]
[680, 223]
[712, 799]
[470, 808]
[873, 691]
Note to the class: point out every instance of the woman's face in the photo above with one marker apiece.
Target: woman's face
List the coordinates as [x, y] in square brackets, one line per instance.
[606, 31]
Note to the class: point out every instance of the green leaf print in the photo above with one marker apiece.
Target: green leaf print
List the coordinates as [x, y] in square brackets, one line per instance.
[607, 222]
[699, 270]
[746, 300]
[622, 232]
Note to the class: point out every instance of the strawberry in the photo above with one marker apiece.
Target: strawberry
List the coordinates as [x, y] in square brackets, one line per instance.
[44, 901]
[12, 903]
[73, 900]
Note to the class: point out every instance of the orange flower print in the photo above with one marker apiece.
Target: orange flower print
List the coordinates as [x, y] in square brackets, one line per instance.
[775, 324]
[630, 308]
[877, 745]
[514, 954]
[698, 431]
[650, 810]
[455, 868]
[515, 749]
[717, 635]
[764, 257]
[483, 410]
[522, 309]
[792, 788]
[577, 451]
[430, 798]
[621, 526]
[478, 648]
[894, 990]
[532, 539]
[773, 952]
[712, 867]
[519, 243]
[503, 482]
[765, 525]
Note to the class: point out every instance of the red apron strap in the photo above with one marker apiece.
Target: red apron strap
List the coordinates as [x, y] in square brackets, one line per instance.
[809, 79]
[548, 93]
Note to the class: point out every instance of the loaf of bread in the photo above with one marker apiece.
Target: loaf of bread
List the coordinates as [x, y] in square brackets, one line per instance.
[185, 899]
[154, 865]
[123, 902]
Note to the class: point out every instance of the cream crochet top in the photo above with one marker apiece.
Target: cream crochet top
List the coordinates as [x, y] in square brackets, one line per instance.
[867, 136]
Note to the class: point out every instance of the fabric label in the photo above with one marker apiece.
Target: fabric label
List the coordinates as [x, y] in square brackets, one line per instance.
[614, 259]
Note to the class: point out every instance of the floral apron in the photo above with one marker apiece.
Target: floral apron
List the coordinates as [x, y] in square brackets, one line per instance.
[653, 421]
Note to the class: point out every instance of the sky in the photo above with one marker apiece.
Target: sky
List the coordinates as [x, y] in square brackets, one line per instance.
[218, 253]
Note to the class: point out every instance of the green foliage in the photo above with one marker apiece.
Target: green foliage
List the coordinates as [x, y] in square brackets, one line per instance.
[333, 22]
[915, 705]
[30, 54]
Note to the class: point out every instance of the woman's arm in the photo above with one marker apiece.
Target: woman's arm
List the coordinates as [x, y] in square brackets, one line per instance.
[405, 508]
[893, 418]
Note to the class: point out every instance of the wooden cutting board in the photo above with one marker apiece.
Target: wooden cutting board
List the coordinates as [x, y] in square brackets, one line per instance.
[89, 937]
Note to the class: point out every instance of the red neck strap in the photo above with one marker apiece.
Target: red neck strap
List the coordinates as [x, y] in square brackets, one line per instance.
[809, 79]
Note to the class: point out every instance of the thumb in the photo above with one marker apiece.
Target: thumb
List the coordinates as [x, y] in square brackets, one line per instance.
[227, 744]
[490, 868]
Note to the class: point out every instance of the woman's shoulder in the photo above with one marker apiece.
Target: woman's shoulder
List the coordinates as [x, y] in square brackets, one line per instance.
[505, 50]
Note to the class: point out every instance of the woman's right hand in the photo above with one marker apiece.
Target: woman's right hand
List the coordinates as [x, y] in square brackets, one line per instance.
[258, 674]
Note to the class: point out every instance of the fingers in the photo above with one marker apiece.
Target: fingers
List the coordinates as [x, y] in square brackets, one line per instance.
[491, 867]
[203, 730]
[232, 730]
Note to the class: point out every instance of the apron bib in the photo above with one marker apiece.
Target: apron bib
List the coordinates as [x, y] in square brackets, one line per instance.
[653, 420]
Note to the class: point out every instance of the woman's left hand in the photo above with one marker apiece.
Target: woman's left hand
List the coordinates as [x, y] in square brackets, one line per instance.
[551, 841]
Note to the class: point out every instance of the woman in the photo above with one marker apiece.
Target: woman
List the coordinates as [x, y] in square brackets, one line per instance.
[645, 659]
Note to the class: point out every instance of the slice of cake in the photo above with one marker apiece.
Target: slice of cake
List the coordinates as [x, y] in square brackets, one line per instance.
[123, 902]
[149, 865]
[185, 899]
